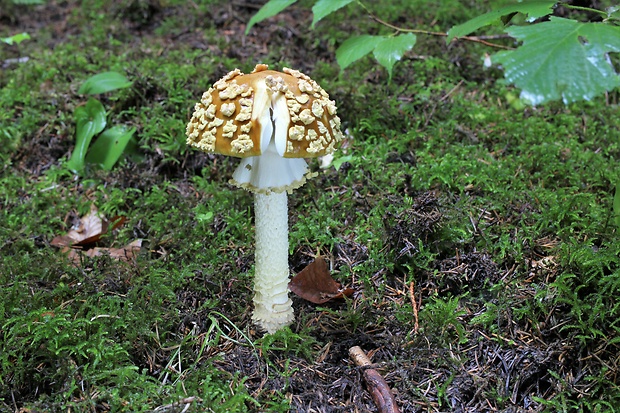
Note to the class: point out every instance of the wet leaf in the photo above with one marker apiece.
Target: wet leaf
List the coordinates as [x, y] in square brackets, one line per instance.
[532, 9]
[323, 8]
[90, 120]
[539, 66]
[103, 82]
[354, 48]
[271, 8]
[386, 49]
[109, 146]
[15, 39]
[315, 284]
[391, 49]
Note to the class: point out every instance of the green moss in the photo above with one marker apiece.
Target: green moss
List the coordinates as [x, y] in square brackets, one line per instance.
[489, 225]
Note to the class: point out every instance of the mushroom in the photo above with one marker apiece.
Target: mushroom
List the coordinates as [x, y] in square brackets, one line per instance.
[272, 120]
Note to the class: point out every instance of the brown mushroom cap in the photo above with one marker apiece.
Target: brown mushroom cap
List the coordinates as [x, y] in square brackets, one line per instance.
[238, 115]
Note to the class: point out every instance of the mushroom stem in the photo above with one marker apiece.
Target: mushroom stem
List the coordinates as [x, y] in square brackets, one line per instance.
[272, 305]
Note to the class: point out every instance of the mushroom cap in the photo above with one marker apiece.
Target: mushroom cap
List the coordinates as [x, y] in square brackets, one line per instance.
[242, 113]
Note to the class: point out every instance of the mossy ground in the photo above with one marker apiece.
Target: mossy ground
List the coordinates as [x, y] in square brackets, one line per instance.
[480, 237]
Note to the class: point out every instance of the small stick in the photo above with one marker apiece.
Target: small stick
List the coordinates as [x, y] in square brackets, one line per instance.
[173, 406]
[414, 304]
[378, 388]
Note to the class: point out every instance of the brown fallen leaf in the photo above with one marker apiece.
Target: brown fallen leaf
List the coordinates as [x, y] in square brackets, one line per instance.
[126, 253]
[79, 242]
[91, 228]
[315, 284]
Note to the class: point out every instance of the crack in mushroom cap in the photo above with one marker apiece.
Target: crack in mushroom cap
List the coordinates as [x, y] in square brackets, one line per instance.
[234, 115]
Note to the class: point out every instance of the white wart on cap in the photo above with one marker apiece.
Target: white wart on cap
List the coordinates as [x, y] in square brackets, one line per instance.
[269, 118]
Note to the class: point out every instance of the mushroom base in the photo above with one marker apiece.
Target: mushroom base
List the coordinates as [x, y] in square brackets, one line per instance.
[272, 305]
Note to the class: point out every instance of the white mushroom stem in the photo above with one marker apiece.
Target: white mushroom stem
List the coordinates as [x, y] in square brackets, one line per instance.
[272, 305]
[270, 176]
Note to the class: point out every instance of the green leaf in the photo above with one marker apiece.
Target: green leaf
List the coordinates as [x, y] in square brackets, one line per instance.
[324, 7]
[109, 146]
[390, 50]
[90, 120]
[616, 206]
[15, 39]
[561, 59]
[354, 48]
[103, 82]
[613, 12]
[337, 163]
[532, 9]
[29, 2]
[271, 8]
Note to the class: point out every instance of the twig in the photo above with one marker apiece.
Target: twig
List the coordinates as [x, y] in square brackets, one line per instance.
[187, 401]
[475, 39]
[378, 388]
[451, 91]
[414, 304]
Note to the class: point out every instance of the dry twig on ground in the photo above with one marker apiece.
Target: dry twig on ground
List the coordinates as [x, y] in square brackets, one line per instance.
[377, 386]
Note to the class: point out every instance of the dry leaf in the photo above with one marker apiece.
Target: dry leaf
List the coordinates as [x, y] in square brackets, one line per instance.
[90, 230]
[78, 241]
[126, 253]
[315, 284]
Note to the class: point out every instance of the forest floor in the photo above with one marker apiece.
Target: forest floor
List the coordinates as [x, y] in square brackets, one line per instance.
[478, 235]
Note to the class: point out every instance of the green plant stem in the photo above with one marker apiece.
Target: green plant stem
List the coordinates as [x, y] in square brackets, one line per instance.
[474, 39]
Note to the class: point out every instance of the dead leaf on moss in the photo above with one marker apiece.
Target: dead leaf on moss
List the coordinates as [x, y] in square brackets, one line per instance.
[126, 253]
[315, 284]
[79, 241]
[91, 228]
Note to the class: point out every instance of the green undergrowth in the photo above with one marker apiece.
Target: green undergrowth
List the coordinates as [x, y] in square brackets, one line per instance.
[462, 220]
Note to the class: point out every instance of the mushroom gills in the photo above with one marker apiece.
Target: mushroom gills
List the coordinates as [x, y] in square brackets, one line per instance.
[270, 172]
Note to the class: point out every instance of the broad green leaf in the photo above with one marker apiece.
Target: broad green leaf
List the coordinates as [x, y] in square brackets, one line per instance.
[390, 50]
[561, 59]
[90, 120]
[271, 8]
[103, 82]
[324, 7]
[354, 48]
[109, 146]
[15, 39]
[532, 9]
